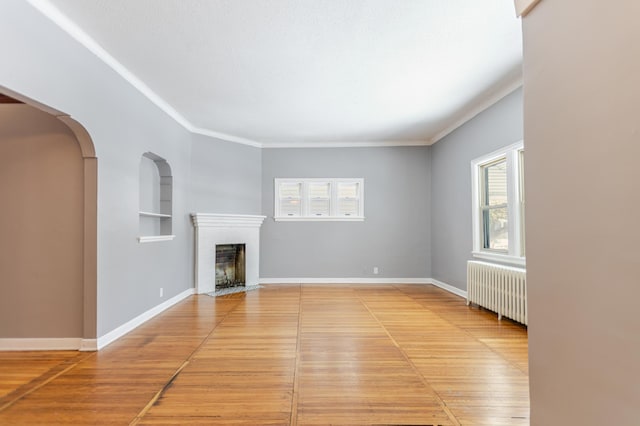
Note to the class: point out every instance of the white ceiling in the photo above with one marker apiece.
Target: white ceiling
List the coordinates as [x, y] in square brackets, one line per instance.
[315, 72]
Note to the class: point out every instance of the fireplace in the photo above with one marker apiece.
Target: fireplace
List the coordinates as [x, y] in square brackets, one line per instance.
[214, 231]
[230, 266]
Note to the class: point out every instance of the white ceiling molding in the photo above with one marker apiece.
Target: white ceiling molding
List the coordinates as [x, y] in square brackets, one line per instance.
[226, 137]
[525, 6]
[58, 18]
[54, 14]
[354, 73]
[486, 103]
[345, 144]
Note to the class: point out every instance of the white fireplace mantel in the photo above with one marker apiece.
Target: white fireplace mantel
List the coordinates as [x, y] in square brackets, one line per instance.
[214, 229]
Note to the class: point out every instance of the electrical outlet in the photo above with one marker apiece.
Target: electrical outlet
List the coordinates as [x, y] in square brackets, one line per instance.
[375, 270]
[161, 291]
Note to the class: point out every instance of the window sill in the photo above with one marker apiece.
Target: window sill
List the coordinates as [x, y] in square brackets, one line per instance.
[319, 219]
[502, 258]
[155, 238]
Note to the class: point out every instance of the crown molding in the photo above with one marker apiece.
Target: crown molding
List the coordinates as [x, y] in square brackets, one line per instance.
[63, 22]
[345, 144]
[523, 7]
[78, 34]
[227, 137]
[53, 13]
[488, 101]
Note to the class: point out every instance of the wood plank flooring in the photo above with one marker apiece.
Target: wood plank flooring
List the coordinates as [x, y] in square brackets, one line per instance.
[287, 355]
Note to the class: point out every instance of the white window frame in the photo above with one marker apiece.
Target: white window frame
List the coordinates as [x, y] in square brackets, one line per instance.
[333, 215]
[514, 255]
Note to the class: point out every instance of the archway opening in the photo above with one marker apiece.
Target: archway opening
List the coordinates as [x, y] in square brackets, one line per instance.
[48, 189]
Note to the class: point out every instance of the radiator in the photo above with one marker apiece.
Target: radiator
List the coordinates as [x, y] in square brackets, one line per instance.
[501, 289]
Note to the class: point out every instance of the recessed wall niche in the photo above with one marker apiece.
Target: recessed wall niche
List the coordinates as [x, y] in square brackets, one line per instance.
[156, 191]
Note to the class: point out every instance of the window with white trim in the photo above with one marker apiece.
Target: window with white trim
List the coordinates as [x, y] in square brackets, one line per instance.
[319, 199]
[498, 205]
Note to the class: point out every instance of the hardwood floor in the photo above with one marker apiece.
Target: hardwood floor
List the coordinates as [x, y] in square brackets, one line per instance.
[287, 354]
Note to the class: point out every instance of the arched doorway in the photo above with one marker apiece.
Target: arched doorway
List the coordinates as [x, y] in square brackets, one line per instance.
[48, 187]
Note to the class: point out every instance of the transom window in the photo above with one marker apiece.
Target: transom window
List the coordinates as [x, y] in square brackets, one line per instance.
[498, 205]
[319, 199]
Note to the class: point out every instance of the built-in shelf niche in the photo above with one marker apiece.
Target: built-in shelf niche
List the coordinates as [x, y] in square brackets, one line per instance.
[156, 192]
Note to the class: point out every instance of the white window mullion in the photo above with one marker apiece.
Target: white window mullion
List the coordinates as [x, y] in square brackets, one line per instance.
[334, 199]
[521, 200]
[305, 200]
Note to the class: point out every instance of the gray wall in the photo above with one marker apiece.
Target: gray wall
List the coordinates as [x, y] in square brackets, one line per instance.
[394, 236]
[225, 177]
[581, 68]
[42, 62]
[451, 241]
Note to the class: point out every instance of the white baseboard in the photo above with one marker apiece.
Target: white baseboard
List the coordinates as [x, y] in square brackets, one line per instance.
[88, 345]
[433, 281]
[75, 343]
[114, 334]
[448, 287]
[79, 344]
[345, 281]
[41, 344]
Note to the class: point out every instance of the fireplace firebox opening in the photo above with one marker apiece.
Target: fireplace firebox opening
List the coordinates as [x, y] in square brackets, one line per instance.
[230, 266]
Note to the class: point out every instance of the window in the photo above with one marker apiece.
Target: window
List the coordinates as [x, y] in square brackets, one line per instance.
[290, 199]
[156, 188]
[498, 205]
[319, 199]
